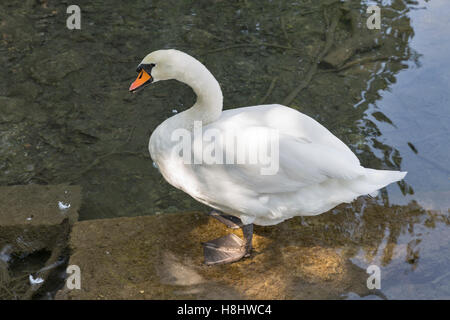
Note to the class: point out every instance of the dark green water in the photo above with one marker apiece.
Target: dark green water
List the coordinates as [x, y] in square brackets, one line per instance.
[66, 114]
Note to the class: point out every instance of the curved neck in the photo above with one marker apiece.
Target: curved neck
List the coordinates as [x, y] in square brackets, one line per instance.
[208, 106]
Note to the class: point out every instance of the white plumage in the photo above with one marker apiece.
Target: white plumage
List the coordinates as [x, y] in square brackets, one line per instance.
[316, 170]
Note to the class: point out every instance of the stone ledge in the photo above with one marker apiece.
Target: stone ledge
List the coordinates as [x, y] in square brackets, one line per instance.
[161, 257]
[30, 215]
[35, 223]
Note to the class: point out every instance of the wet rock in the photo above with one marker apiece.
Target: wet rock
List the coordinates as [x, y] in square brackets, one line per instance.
[199, 37]
[35, 222]
[33, 216]
[361, 40]
[161, 257]
[348, 49]
[27, 88]
[51, 68]
[11, 110]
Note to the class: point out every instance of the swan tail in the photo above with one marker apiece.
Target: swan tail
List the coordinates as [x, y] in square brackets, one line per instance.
[318, 198]
[384, 177]
[373, 180]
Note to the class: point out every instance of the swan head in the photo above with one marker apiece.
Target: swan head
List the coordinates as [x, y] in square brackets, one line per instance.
[160, 65]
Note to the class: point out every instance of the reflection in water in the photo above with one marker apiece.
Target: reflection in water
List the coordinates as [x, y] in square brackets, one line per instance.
[69, 118]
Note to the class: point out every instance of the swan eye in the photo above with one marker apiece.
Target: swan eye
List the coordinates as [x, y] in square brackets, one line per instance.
[147, 67]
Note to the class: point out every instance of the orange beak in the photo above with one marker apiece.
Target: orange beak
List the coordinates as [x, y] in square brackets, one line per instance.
[142, 79]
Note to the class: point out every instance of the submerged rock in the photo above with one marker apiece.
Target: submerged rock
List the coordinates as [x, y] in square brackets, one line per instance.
[30, 218]
[12, 110]
[33, 234]
[52, 68]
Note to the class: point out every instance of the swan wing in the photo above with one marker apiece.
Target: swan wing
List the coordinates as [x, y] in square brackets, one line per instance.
[306, 171]
[256, 189]
[287, 120]
[296, 164]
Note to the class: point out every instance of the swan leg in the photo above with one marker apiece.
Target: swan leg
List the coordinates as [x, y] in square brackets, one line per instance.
[229, 220]
[229, 248]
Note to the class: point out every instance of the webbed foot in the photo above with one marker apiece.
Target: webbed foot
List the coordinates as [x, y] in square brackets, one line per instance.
[229, 248]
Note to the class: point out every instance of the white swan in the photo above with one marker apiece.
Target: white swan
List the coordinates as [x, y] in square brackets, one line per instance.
[315, 170]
